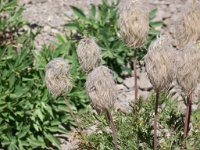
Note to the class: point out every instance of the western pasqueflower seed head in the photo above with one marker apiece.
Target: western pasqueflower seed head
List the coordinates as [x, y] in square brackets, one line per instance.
[134, 23]
[188, 68]
[101, 88]
[57, 77]
[159, 63]
[187, 29]
[89, 54]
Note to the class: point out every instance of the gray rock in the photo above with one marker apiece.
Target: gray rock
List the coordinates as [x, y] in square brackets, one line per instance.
[129, 83]
[144, 83]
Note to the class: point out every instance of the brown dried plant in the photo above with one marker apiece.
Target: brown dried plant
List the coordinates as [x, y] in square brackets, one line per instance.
[134, 23]
[188, 68]
[58, 82]
[134, 27]
[188, 75]
[89, 54]
[159, 63]
[187, 29]
[100, 86]
[57, 78]
[101, 89]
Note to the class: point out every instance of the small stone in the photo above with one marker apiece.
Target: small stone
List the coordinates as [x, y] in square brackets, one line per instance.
[144, 83]
[129, 83]
[47, 28]
[121, 87]
[144, 94]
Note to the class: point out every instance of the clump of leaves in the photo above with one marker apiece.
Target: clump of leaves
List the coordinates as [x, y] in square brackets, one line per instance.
[10, 21]
[136, 132]
[193, 140]
[29, 116]
[102, 23]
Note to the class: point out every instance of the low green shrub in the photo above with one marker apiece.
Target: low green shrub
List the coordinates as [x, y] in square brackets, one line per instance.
[10, 21]
[136, 132]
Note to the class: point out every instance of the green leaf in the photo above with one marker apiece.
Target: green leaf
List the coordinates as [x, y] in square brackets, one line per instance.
[62, 108]
[11, 80]
[92, 12]
[24, 131]
[152, 14]
[39, 114]
[40, 61]
[55, 122]
[72, 26]
[156, 24]
[154, 32]
[35, 143]
[53, 140]
[78, 12]
[57, 129]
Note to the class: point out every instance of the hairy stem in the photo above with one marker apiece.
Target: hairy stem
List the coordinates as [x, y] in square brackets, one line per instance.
[188, 115]
[135, 76]
[155, 121]
[74, 117]
[113, 128]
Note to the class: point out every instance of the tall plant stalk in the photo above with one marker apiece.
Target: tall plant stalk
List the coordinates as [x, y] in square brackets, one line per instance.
[135, 76]
[188, 115]
[74, 117]
[155, 121]
[113, 128]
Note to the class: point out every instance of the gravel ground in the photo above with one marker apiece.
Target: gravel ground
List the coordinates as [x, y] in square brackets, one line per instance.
[50, 16]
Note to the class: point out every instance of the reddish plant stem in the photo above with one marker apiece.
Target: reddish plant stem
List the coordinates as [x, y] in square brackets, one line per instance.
[135, 76]
[188, 115]
[113, 128]
[74, 117]
[155, 121]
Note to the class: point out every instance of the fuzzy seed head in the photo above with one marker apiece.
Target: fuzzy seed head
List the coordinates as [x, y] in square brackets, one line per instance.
[134, 23]
[188, 68]
[159, 63]
[57, 77]
[89, 54]
[101, 88]
[188, 29]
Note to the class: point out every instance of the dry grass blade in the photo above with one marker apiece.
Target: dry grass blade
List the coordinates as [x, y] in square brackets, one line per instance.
[89, 54]
[57, 77]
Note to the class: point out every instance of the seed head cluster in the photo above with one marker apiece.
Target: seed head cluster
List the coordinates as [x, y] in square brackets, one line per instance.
[188, 68]
[101, 89]
[89, 54]
[134, 23]
[188, 29]
[57, 77]
[159, 63]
